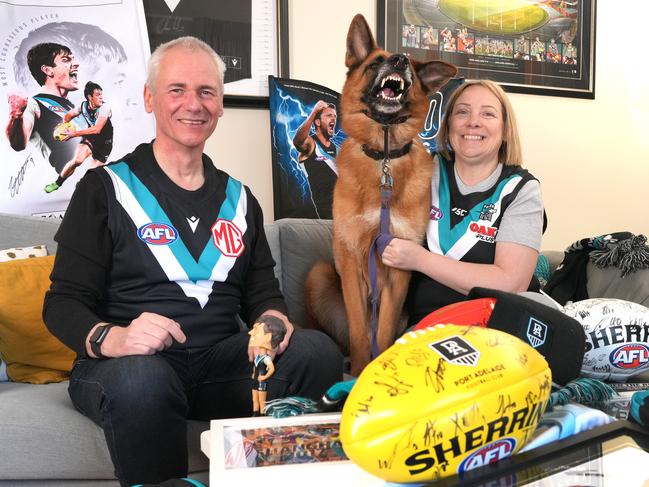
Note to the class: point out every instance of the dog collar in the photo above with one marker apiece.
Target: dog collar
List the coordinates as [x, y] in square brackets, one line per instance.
[386, 119]
[393, 154]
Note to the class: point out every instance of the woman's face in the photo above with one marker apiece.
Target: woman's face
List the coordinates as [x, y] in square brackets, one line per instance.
[476, 126]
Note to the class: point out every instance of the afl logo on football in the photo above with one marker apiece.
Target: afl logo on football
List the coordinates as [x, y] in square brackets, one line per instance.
[630, 356]
[489, 453]
[456, 350]
[436, 213]
[536, 332]
[227, 238]
[157, 233]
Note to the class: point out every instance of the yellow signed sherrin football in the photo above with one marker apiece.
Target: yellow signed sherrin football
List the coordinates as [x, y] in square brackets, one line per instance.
[62, 129]
[442, 401]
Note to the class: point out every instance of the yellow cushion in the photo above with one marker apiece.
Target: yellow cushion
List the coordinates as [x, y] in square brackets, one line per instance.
[31, 352]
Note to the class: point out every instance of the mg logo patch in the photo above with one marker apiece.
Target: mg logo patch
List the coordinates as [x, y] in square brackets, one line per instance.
[537, 332]
[157, 233]
[456, 350]
[227, 238]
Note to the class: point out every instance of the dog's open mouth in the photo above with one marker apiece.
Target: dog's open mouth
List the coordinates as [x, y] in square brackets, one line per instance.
[389, 94]
[391, 88]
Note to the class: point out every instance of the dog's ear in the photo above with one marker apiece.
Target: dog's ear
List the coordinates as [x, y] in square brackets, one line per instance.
[360, 42]
[434, 74]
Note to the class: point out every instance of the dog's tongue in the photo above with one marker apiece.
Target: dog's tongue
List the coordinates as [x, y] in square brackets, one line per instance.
[388, 92]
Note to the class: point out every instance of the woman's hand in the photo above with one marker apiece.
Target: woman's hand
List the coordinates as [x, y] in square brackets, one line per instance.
[404, 254]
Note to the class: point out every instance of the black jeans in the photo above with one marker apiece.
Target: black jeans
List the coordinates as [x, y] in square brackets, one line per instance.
[142, 402]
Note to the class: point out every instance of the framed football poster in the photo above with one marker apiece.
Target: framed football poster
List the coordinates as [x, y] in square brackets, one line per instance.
[544, 47]
[251, 36]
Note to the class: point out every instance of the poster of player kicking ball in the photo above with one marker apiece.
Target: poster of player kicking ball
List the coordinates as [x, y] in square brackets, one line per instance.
[71, 78]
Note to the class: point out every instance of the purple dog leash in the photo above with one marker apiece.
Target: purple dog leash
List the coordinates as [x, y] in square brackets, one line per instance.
[381, 241]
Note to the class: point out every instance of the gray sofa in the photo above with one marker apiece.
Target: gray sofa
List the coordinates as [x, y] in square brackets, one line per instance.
[44, 441]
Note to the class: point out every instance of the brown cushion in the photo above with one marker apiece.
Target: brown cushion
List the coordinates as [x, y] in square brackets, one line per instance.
[31, 352]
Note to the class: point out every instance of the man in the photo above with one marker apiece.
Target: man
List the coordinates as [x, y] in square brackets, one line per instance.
[157, 254]
[96, 139]
[318, 154]
[54, 68]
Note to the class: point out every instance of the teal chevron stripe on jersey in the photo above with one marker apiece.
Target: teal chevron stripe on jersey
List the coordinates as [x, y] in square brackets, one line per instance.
[52, 104]
[143, 208]
[448, 236]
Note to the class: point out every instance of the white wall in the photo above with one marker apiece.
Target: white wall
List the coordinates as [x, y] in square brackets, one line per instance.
[591, 156]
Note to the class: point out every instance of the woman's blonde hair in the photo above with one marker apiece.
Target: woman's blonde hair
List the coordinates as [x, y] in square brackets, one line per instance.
[510, 150]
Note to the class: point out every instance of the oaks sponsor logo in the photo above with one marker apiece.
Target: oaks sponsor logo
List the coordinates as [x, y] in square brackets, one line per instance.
[484, 232]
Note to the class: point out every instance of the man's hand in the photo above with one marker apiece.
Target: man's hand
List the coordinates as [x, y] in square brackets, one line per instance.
[147, 334]
[17, 105]
[252, 351]
[321, 105]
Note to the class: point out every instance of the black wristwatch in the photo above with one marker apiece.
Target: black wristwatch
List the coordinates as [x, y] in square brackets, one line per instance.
[97, 338]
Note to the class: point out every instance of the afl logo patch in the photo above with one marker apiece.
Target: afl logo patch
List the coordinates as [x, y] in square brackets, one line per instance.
[228, 238]
[630, 356]
[436, 213]
[157, 233]
[456, 350]
[489, 453]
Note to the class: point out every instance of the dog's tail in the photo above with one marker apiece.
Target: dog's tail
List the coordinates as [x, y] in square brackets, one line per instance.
[324, 304]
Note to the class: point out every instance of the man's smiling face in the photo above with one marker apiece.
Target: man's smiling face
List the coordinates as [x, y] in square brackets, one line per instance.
[63, 75]
[186, 98]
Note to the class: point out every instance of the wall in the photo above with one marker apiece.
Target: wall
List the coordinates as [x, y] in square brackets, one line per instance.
[591, 156]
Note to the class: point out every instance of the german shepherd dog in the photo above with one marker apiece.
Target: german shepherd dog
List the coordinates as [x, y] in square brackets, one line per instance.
[382, 90]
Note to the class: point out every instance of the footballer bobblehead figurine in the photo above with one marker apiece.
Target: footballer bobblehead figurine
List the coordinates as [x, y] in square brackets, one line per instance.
[266, 335]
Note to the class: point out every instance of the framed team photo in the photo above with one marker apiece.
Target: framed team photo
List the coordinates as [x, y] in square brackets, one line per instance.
[250, 36]
[544, 47]
[280, 451]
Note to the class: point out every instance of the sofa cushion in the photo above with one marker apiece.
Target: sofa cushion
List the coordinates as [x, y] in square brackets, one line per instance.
[302, 242]
[17, 253]
[607, 282]
[18, 231]
[31, 353]
[272, 235]
[45, 437]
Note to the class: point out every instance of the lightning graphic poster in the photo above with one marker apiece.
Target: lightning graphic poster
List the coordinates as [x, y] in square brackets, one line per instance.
[305, 138]
[50, 54]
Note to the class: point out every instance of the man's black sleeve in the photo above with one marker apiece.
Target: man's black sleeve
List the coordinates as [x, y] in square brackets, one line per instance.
[261, 289]
[81, 265]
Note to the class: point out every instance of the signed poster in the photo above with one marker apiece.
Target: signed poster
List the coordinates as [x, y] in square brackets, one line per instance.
[529, 46]
[71, 80]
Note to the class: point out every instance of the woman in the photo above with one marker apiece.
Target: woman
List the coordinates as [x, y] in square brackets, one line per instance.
[487, 216]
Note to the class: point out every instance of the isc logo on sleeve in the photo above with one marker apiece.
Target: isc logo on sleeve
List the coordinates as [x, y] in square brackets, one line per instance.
[157, 233]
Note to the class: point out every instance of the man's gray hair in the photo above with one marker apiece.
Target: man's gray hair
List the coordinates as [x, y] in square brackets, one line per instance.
[188, 42]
